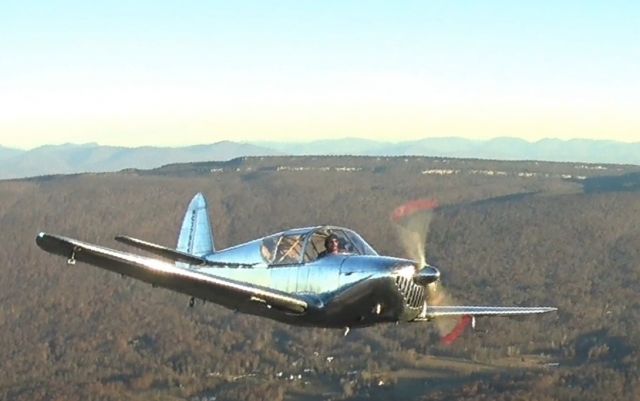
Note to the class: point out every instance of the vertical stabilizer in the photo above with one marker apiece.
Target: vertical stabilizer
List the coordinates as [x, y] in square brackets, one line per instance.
[196, 237]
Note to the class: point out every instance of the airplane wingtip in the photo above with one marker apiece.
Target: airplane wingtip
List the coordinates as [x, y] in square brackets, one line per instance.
[41, 238]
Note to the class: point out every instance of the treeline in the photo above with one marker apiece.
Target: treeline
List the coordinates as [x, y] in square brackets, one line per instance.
[77, 332]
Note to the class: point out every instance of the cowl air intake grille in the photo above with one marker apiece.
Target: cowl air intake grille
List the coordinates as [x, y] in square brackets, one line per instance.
[413, 294]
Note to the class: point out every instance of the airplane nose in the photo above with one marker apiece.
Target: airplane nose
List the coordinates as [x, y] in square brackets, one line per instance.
[426, 275]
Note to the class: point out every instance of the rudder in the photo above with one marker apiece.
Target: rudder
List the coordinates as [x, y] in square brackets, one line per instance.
[196, 236]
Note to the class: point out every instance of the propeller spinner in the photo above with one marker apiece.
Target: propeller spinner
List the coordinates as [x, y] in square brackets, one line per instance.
[426, 275]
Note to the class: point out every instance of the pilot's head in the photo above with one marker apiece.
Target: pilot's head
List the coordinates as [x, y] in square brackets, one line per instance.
[332, 243]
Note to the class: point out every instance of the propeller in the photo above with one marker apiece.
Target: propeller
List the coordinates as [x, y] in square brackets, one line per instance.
[412, 221]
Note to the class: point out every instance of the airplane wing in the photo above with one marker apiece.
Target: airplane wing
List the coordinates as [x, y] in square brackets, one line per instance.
[229, 293]
[441, 311]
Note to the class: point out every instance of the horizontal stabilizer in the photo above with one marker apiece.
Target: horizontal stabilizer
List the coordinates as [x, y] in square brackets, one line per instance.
[440, 311]
[162, 251]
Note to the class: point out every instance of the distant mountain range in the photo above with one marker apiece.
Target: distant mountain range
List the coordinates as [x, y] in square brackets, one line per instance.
[71, 158]
[91, 157]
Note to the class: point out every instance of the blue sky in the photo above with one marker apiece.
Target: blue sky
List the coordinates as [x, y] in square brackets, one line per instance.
[179, 73]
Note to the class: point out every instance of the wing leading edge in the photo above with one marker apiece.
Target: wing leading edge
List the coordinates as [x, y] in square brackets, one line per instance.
[161, 273]
[441, 311]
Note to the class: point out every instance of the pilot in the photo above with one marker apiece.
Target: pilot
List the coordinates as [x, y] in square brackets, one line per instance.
[331, 245]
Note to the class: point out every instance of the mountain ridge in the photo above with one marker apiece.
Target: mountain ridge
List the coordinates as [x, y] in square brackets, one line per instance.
[91, 157]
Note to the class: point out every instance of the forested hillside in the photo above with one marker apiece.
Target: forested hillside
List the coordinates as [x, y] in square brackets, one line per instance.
[512, 233]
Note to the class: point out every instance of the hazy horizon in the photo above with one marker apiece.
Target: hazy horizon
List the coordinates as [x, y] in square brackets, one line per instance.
[303, 141]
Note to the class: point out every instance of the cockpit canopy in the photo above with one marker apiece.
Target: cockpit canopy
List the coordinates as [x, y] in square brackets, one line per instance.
[307, 244]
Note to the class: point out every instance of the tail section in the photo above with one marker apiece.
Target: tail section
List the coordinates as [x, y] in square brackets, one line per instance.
[196, 236]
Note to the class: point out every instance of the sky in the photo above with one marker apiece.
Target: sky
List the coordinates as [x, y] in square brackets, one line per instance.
[176, 73]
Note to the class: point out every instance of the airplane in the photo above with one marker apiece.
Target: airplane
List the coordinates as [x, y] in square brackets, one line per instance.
[285, 276]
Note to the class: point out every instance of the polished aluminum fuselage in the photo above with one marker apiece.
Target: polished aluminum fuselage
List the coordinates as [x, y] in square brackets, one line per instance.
[343, 290]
